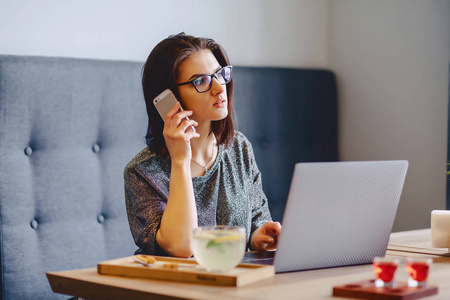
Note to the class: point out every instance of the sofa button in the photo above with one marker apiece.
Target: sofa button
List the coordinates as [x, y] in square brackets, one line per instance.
[28, 151]
[34, 224]
[100, 219]
[96, 148]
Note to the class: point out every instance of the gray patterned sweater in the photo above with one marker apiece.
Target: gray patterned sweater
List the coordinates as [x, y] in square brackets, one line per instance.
[229, 193]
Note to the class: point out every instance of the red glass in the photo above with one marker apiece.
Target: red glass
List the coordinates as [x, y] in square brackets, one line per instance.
[418, 271]
[385, 270]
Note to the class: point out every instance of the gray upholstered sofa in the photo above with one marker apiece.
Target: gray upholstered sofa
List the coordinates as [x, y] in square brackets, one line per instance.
[69, 126]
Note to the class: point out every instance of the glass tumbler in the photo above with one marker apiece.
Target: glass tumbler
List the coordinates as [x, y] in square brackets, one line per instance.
[219, 248]
[384, 269]
[418, 270]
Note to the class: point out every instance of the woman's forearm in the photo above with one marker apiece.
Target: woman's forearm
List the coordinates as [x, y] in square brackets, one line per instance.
[180, 216]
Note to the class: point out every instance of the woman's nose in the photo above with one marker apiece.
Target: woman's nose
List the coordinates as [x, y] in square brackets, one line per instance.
[217, 88]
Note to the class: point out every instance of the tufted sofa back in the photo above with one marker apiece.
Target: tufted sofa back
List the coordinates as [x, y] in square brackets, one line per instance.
[290, 116]
[69, 126]
[67, 129]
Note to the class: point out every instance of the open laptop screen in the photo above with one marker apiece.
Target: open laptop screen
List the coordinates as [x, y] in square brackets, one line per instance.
[337, 214]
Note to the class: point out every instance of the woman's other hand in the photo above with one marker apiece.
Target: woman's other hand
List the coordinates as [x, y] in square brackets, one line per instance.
[266, 236]
[178, 134]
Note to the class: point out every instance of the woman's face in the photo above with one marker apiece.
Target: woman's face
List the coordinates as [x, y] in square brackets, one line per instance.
[208, 106]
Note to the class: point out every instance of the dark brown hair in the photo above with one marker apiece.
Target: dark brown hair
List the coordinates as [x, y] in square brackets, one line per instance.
[161, 72]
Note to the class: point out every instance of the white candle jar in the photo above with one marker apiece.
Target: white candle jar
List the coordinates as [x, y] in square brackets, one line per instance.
[440, 228]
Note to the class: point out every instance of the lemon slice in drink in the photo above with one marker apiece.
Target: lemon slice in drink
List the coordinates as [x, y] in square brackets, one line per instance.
[228, 238]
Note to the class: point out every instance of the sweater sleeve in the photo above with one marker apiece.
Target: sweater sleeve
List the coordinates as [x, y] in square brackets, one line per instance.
[146, 199]
[260, 206]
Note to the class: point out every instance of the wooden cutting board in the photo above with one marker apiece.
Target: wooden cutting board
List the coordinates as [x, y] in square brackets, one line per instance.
[185, 270]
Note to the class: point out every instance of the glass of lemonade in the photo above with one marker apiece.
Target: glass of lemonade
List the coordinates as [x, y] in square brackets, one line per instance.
[219, 248]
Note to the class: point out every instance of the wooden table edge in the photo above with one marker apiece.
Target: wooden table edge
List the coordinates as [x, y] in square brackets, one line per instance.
[67, 285]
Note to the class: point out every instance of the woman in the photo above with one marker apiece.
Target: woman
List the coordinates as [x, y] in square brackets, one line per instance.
[187, 178]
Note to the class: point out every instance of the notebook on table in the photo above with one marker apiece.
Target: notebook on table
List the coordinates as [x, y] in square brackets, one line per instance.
[337, 214]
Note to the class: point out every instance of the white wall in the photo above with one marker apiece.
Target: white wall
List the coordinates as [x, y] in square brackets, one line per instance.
[254, 32]
[390, 58]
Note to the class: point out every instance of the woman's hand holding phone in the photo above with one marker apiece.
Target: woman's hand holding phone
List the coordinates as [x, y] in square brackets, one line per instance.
[178, 128]
[178, 134]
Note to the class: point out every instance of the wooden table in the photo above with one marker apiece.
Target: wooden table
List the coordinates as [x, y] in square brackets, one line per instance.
[315, 284]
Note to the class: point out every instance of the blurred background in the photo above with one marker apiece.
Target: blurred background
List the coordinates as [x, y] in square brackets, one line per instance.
[391, 59]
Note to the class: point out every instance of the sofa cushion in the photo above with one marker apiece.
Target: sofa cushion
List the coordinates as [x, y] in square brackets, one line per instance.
[289, 115]
[67, 129]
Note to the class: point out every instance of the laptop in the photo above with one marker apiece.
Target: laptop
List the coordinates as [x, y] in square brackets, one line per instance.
[337, 214]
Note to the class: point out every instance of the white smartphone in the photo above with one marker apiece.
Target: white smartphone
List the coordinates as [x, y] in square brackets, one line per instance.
[164, 103]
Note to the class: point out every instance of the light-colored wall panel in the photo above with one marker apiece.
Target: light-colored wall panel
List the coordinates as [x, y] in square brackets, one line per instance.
[254, 32]
[391, 60]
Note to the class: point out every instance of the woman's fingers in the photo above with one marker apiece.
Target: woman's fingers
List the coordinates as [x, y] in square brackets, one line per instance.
[266, 242]
[267, 237]
[176, 119]
[275, 227]
[180, 116]
[171, 113]
[179, 128]
[175, 115]
[177, 134]
[185, 124]
[272, 228]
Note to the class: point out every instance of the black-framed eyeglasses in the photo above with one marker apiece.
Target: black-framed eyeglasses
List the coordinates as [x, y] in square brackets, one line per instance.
[203, 83]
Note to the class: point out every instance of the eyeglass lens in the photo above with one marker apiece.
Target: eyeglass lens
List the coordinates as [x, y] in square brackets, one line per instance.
[204, 82]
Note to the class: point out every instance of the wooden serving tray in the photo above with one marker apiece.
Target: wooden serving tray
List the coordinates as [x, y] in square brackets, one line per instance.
[187, 271]
[367, 290]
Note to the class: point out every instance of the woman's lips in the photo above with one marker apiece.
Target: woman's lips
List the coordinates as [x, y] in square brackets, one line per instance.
[220, 103]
